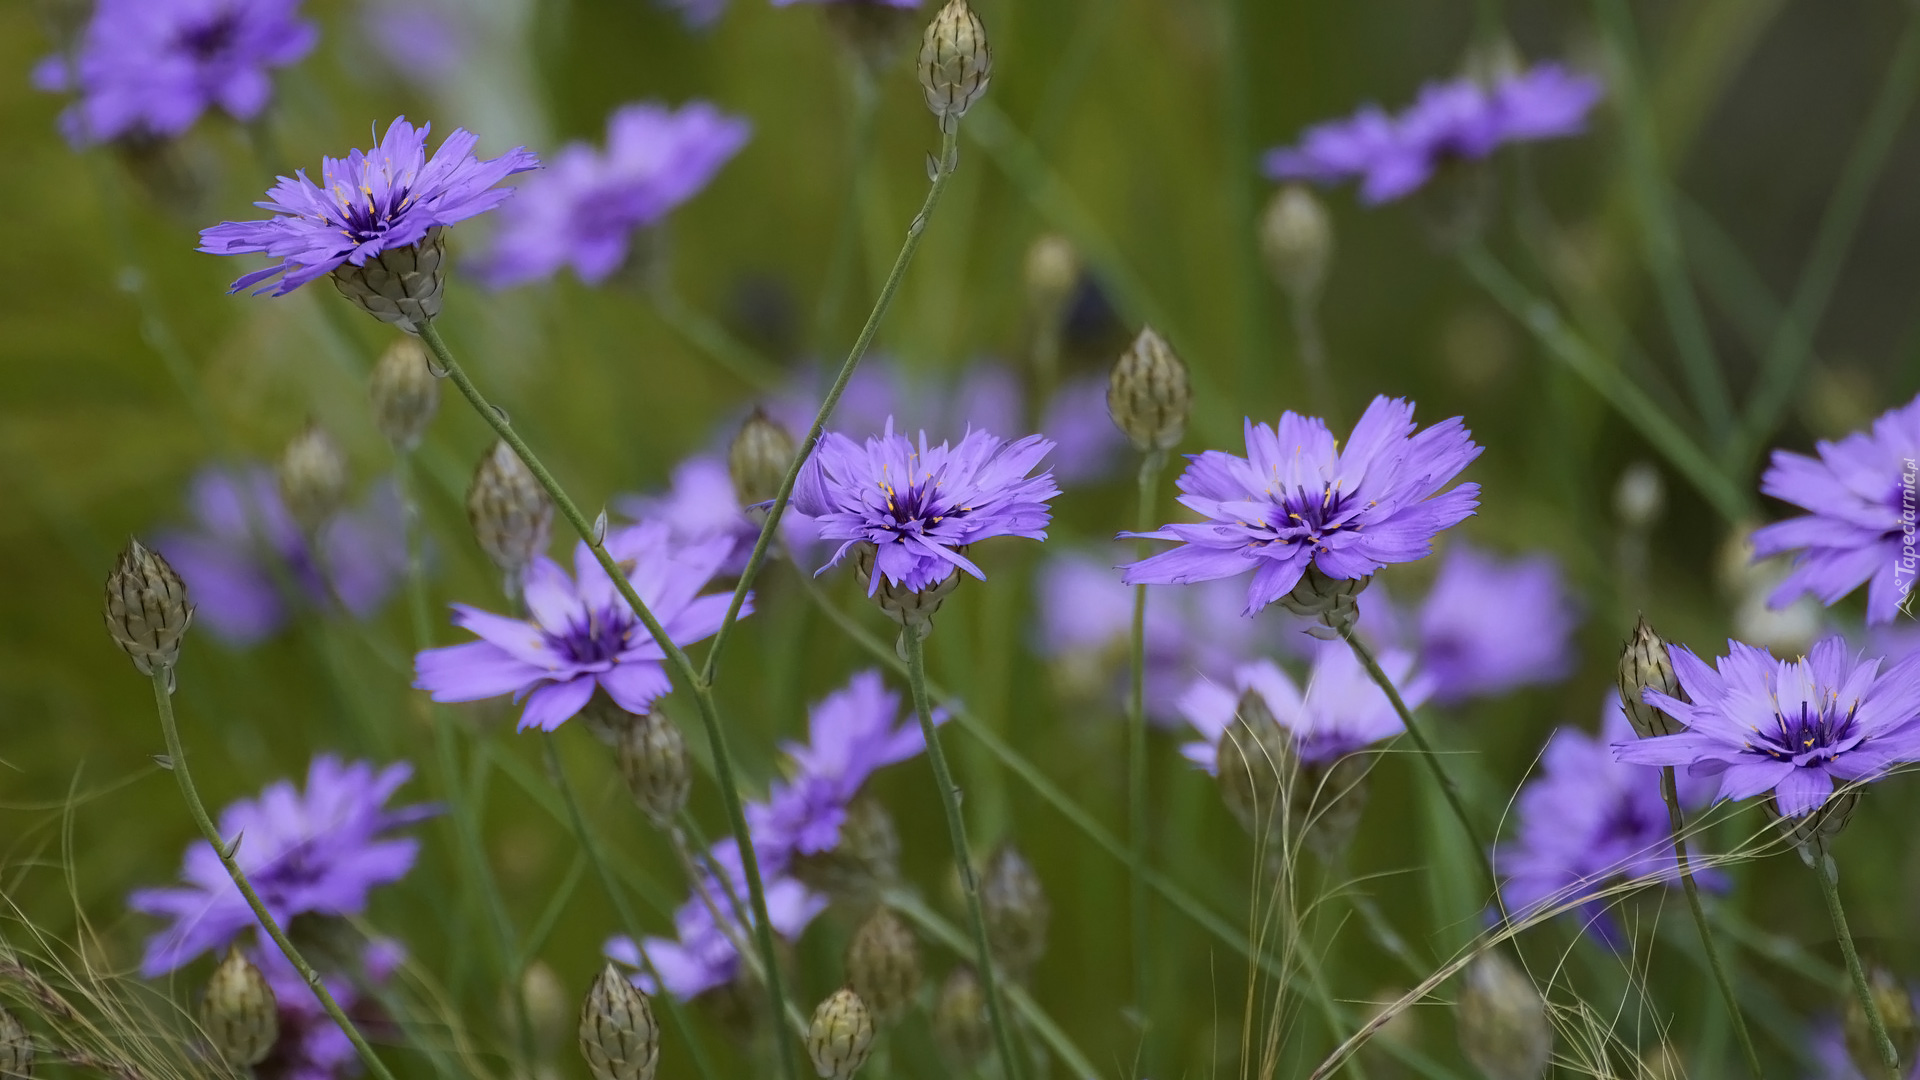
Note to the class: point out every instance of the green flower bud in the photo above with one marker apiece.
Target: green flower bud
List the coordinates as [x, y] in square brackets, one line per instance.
[960, 1018]
[404, 392]
[146, 609]
[1645, 665]
[239, 1013]
[511, 514]
[1147, 393]
[1503, 1020]
[1328, 801]
[313, 476]
[759, 458]
[866, 858]
[955, 62]
[908, 607]
[1016, 911]
[1255, 766]
[1334, 601]
[1296, 236]
[1810, 833]
[1895, 1006]
[16, 1048]
[400, 286]
[617, 1034]
[653, 758]
[841, 1035]
[883, 964]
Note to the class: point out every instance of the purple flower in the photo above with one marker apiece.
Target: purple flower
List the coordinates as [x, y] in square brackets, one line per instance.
[1342, 710]
[310, 1045]
[1087, 444]
[1296, 498]
[1859, 529]
[1459, 120]
[917, 504]
[582, 634]
[366, 204]
[247, 564]
[320, 851]
[1491, 625]
[700, 507]
[422, 40]
[583, 209]
[147, 69]
[1789, 727]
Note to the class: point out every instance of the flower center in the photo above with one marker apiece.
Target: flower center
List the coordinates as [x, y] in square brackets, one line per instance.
[207, 40]
[918, 507]
[600, 638]
[1303, 514]
[1807, 736]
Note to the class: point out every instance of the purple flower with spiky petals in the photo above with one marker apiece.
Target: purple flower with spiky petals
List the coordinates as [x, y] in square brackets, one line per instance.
[918, 504]
[1473, 648]
[310, 1045]
[1789, 727]
[148, 69]
[1858, 531]
[367, 203]
[321, 851]
[1297, 498]
[582, 634]
[583, 209]
[1342, 710]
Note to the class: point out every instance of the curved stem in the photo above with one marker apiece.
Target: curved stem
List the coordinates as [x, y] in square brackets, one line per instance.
[963, 860]
[1671, 793]
[177, 764]
[1150, 468]
[1823, 868]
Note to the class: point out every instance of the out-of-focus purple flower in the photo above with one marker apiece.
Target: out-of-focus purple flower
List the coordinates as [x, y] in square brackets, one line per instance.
[1460, 120]
[1491, 625]
[700, 507]
[583, 209]
[1297, 498]
[1588, 822]
[1342, 710]
[1829, 1046]
[918, 504]
[247, 564]
[1789, 727]
[582, 634]
[366, 204]
[147, 69]
[1087, 445]
[310, 1045]
[1860, 494]
[422, 40]
[322, 851]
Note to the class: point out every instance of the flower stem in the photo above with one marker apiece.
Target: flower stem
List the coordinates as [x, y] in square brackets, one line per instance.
[676, 659]
[1823, 868]
[963, 860]
[1671, 793]
[1150, 468]
[177, 764]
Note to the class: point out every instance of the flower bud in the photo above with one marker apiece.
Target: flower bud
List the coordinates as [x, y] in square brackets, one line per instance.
[955, 62]
[1895, 1006]
[1254, 764]
[960, 1018]
[146, 608]
[1147, 393]
[1810, 832]
[1503, 1020]
[908, 607]
[617, 1034]
[1334, 601]
[758, 461]
[1639, 496]
[883, 964]
[1645, 665]
[653, 758]
[404, 392]
[313, 476]
[1328, 801]
[841, 1035]
[401, 286]
[16, 1048]
[511, 515]
[1296, 236]
[866, 858]
[1016, 911]
[238, 1012]
[1052, 273]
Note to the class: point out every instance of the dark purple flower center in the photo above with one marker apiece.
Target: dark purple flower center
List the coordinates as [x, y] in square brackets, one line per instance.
[1306, 515]
[599, 638]
[1629, 820]
[367, 219]
[917, 508]
[1807, 736]
[208, 40]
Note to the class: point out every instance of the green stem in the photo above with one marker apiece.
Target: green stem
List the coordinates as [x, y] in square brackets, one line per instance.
[1313, 355]
[963, 860]
[177, 764]
[1150, 468]
[1670, 793]
[1823, 868]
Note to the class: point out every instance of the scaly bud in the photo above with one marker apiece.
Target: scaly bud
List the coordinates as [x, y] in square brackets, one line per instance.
[955, 62]
[238, 1012]
[1503, 1020]
[759, 458]
[1645, 665]
[1334, 601]
[1016, 911]
[1147, 393]
[653, 758]
[1052, 273]
[1296, 236]
[617, 1034]
[147, 610]
[866, 858]
[1639, 496]
[1809, 833]
[883, 964]
[841, 1035]
[16, 1048]
[908, 607]
[1895, 1006]
[1254, 764]
[313, 476]
[405, 393]
[400, 286]
[1328, 801]
[512, 516]
[960, 1018]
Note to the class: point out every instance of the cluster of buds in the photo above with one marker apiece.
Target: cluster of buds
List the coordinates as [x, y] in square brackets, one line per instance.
[1255, 766]
[239, 1013]
[16, 1048]
[617, 1034]
[511, 514]
[1148, 395]
[913, 609]
[147, 610]
[759, 458]
[400, 286]
[313, 476]
[1016, 911]
[883, 965]
[1503, 1020]
[866, 858]
[1296, 236]
[653, 758]
[955, 62]
[1895, 1005]
[841, 1035]
[404, 393]
[960, 1018]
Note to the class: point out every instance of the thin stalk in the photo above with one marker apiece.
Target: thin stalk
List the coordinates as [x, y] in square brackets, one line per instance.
[963, 860]
[1150, 468]
[1313, 354]
[1671, 793]
[177, 764]
[1823, 868]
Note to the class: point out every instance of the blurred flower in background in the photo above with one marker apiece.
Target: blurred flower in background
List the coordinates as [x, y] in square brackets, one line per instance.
[1341, 709]
[1491, 625]
[700, 507]
[311, 1046]
[423, 41]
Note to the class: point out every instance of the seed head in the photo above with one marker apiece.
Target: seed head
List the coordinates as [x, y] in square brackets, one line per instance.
[653, 758]
[1147, 393]
[955, 62]
[313, 476]
[1334, 601]
[238, 1012]
[1503, 1020]
[960, 1018]
[908, 607]
[16, 1048]
[512, 516]
[1895, 1006]
[405, 393]
[1296, 236]
[883, 964]
[146, 608]
[759, 458]
[401, 286]
[1255, 764]
[1052, 273]
[1644, 665]
[1015, 906]
[841, 1035]
[617, 1034]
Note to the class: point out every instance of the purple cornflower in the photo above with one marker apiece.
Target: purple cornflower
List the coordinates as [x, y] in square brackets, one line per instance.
[320, 851]
[1343, 710]
[1588, 822]
[1476, 648]
[1789, 727]
[918, 504]
[147, 69]
[582, 634]
[1462, 119]
[583, 209]
[1087, 444]
[1859, 529]
[310, 1045]
[366, 204]
[247, 563]
[1296, 498]
[700, 507]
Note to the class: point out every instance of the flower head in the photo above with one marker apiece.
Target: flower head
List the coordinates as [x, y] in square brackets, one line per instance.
[1789, 727]
[582, 634]
[311, 1046]
[1475, 648]
[322, 851]
[147, 69]
[1297, 498]
[1341, 711]
[366, 204]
